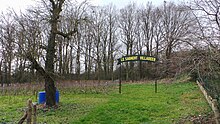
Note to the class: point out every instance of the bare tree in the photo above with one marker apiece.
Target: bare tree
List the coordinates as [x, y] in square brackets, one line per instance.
[206, 62]
[54, 7]
[208, 18]
[127, 27]
[112, 24]
[7, 44]
[88, 44]
[176, 20]
[145, 34]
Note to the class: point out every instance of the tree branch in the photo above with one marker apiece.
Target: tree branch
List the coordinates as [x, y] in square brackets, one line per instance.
[53, 4]
[61, 3]
[37, 66]
[66, 35]
[23, 118]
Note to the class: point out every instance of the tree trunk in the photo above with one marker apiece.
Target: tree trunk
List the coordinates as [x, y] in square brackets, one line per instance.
[6, 73]
[105, 60]
[1, 73]
[66, 59]
[60, 57]
[9, 70]
[50, 88]
[90, 62]
[71, 60]
[78, 55]
[49, 67]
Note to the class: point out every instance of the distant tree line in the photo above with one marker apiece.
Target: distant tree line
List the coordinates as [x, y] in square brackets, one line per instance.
[90, 39]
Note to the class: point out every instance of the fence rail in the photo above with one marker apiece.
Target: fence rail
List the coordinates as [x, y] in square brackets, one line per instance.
[212, 102]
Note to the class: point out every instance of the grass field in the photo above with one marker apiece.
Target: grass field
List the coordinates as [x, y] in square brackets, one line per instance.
[138, 103]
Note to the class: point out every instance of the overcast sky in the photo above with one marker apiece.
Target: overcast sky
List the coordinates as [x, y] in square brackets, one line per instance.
[22, 4]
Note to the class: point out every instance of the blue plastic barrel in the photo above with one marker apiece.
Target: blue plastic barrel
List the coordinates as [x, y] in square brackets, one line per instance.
[57, 96]
[42, 97]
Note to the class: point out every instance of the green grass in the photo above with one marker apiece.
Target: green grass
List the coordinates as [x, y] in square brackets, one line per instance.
[137, 104]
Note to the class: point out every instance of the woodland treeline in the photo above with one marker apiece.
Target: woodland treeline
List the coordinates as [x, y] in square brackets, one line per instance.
[183, 36]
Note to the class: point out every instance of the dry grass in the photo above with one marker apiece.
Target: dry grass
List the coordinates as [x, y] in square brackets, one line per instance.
[76, 86]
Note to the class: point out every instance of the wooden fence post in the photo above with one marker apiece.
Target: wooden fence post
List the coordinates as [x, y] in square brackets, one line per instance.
[35, 114]
[29, 112]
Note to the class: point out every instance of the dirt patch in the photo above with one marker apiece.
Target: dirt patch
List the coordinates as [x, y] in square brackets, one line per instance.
[201, 119]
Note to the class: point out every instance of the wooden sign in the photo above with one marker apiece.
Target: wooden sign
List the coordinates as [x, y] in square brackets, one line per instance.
[136, 58]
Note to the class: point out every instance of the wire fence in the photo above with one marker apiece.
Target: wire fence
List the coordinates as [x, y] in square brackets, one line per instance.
[212, 86]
